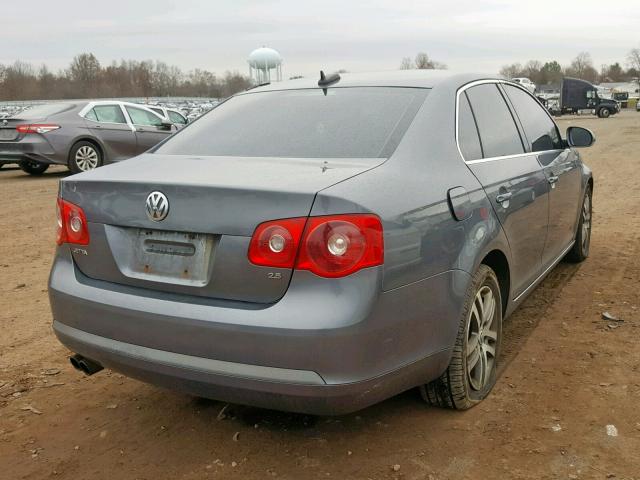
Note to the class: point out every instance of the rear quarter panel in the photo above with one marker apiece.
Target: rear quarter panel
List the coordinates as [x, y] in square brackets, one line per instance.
[409, 193]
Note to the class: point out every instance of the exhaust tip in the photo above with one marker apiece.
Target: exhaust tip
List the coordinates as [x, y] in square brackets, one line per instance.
[85, 365]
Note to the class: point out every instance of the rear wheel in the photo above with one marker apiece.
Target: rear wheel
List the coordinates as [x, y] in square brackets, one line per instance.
[84, 156]
[33, 168]
[472, 371]
[604, 113]
[580, 249]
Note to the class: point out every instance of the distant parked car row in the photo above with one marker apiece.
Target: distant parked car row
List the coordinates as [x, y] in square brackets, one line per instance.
[83, 135]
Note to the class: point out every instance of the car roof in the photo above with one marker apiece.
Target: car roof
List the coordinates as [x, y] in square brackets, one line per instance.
[396, 78]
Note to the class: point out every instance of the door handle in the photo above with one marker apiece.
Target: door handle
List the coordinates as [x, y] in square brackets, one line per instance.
[503, 197]
[553, 179]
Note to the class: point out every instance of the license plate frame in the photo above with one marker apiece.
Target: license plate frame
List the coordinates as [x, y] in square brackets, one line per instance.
[178, 258]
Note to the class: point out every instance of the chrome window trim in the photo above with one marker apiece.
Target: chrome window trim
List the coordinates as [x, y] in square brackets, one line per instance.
[495, 81]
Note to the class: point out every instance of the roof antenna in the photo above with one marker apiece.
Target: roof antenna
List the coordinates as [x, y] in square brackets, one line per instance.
[326, 81]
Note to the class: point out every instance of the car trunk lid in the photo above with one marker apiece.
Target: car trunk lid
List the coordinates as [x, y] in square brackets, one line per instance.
[215, 204]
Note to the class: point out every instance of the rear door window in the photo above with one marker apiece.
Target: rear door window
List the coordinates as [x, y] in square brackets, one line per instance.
[538, 127]
[109, 114]
[496, 126]
[143, 117]
[468, 138]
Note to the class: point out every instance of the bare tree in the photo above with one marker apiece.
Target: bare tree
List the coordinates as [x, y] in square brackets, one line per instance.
[511, 71]
[407, 64]
[633, 59]
[582, 67]
[423, 62]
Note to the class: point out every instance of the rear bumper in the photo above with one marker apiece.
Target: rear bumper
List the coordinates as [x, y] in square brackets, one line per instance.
[265, 387]
[327, 347]
[38, 151]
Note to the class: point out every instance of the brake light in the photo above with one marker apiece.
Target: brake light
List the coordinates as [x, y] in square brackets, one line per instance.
[275, 244]
[37, 128]
[71, 224]
[329, 246]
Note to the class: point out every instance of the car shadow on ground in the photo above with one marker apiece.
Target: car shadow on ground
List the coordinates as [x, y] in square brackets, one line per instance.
[516, 331]
[23, 176]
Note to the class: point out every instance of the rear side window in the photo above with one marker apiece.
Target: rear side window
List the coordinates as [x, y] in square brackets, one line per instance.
[354, 122]
[538, 127]
[91, 115]
[467, 131]
[109, 114]
[143, 117]
[498, 132]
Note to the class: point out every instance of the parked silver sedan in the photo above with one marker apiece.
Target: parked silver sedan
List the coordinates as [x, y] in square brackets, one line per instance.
[319, 246]
[82, 136]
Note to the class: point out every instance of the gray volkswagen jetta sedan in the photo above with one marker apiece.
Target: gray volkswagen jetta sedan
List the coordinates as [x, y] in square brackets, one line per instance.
[319, 246]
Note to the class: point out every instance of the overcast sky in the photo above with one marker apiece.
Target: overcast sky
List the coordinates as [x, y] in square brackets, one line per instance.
[355, 35]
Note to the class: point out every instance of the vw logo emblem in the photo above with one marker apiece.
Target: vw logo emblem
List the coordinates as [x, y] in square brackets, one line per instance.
[157, 206]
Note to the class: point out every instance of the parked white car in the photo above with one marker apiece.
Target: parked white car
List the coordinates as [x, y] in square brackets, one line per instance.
[526, 83]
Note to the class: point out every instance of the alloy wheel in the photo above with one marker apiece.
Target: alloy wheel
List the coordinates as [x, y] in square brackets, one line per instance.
[482, 336]
[86, 158]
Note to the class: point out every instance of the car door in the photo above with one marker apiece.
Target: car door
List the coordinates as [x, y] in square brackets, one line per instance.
[512, 179]
[108, 123]
[149, 129]
[560, 166]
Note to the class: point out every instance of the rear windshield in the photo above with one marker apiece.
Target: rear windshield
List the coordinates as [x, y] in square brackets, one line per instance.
[344, 123]
[43, 111]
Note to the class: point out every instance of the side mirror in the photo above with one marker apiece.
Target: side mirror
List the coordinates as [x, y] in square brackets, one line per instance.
[580, 137]
[166, 125]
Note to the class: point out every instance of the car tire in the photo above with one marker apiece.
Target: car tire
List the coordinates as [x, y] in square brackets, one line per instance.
[33, 168]
[471, 373]
[604, 113]
[84, 156]
[580, 250]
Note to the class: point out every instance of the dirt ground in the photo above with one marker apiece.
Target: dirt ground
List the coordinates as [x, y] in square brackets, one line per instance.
[566, 375]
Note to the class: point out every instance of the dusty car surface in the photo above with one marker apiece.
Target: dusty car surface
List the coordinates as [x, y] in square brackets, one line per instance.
[321, 246]
[81, 135]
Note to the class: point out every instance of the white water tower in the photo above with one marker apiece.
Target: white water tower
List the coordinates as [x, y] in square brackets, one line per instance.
[261, 62]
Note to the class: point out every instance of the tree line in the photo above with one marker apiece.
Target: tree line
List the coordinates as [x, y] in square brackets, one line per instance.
[550, 72]
[87, 78]
[580, 67]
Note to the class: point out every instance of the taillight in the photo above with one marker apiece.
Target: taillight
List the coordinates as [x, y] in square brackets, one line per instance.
[72, 224]
[339, 245]
[329, 246]
[275, 244]
[37, 128]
